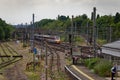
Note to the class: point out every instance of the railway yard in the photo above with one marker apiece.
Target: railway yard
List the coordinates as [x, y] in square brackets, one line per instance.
[16, 63]
[37, 51]
[60, 40]
[22, 69]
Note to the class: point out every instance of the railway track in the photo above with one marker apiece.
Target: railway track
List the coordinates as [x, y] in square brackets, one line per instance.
[55, 49]
[8, 55]
[55, 61]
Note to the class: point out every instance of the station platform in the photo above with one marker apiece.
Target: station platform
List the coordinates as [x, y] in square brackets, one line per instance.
[85, 74]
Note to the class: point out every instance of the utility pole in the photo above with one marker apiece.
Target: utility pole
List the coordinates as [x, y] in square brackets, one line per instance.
[110, 34]
[94, 31]
[87, 32]
[26, 33]
[46, 63]
[31, 36]
[33, 42]
[71, 34]
[70, 38]
[22, 33]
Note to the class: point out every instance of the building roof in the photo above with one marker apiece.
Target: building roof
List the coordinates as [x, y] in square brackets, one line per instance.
[115, 44]
[112, 48]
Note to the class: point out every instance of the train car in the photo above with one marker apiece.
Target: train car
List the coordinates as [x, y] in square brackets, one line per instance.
[48, 38]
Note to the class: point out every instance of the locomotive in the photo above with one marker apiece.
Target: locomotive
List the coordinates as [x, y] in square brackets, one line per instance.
[48, 38]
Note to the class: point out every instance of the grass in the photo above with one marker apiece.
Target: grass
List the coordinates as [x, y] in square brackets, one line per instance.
[4, 51]
[1, 51]
[33, 75]
[68, 61]
[2, 77]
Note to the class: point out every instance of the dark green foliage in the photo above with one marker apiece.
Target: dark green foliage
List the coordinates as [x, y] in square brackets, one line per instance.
[90, 63]
[2, 23]
[43, 22]
[105, 21]
[117, 18]
[98, 16]
[5, 30]
[84, 16]
[100, 66]
[118, 30]
[62, 18]
[2, 34]
[101, 42]
[8, 29]
[103, 68]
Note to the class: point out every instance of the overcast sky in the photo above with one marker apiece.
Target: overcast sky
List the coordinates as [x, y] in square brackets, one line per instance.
[20, 11]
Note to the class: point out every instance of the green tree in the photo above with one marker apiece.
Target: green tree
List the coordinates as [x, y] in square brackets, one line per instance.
[44, 22]
[62, 18]
[2, 34]
[117, 31]
[103, 23]
[2, 23]
[8, 30]
[5, 30]
[98, 16]
[117, 18]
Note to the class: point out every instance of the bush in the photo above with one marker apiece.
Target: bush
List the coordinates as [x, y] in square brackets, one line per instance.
[87, 62]
[90, 63]
[101, 42]
[80, 39]
[103, 68]
[24, 45]
[63, 38]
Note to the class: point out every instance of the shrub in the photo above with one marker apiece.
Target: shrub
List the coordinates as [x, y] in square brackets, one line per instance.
[24, 45]
[101, 42]
[90, 63]
[80, 39]
[87, 62]
[103, 68]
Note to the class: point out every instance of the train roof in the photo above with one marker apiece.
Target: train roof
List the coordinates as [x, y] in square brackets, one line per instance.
[42, 35]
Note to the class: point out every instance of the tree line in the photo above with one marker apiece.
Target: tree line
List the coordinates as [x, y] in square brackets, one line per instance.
[5, 30]
[107, 26]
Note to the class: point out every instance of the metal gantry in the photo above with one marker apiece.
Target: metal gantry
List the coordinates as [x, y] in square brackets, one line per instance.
[94, 30]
